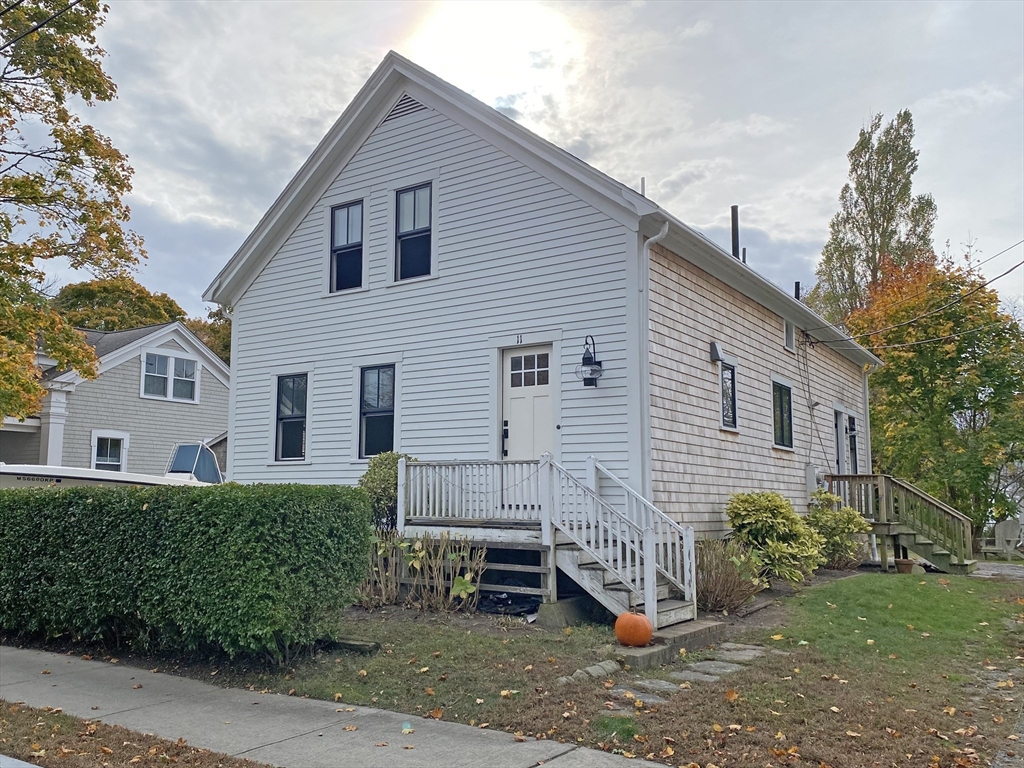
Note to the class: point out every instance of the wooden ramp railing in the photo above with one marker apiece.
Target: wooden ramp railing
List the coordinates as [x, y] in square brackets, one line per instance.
[885, 499]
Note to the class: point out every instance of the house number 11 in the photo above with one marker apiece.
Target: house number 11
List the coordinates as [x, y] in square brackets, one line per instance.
[519, 338]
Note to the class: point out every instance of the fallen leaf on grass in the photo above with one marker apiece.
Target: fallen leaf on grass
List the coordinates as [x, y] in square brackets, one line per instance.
[717, 728]
[437, 714]
[421, 670]
[777, 637]
[853, 734]
[362, 673]
[508, 694]
[731, 695]
[518, 736]
[429, 691]
[837, 710]
[871, 642]
[949, 711]
[893, 732]
[106, 750]
[479, 701]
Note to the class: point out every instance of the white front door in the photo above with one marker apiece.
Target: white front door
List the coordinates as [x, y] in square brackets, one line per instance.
[526, 408]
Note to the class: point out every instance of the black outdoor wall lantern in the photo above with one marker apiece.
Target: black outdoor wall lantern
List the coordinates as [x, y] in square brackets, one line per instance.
[590, 369]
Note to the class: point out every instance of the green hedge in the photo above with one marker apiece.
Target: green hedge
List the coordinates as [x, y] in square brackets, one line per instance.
[246, 568]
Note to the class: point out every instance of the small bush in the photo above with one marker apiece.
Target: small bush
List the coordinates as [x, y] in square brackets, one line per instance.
[728, 574]
[838, 526]
[380, 481]
[765, 522]
[248, 569]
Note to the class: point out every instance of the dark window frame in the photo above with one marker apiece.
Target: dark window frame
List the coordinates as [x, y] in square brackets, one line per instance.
[292, 418]
[376, 411]
[416, 234]
[782, 415]
[729, 368]
[349, 249]
[851, 424]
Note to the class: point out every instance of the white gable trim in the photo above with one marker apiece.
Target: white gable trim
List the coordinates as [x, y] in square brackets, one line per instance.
[177, 332]
[395, 78]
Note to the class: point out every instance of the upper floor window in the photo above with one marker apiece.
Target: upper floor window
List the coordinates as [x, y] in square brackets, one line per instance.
[782, 414]
[291, 417]
[347, 246]
[377, 410]
[728, 374]
[789, 335]
[169, 377]
[412, 232]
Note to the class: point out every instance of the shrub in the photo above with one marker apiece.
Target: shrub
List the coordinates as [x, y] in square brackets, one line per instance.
[766, 522]
[728, 574]
[257, 568]
[838, 526]
[380, 481]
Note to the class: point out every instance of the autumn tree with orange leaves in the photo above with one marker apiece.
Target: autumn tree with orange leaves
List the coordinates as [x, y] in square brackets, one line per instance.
[947, 409]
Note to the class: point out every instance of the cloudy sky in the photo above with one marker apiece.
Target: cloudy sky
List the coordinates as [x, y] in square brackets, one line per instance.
[714, 103]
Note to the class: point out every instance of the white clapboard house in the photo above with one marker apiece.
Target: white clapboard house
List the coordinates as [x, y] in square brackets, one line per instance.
[577, 372]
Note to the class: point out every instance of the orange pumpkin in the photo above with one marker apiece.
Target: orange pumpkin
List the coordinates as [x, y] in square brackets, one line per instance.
[633, 629]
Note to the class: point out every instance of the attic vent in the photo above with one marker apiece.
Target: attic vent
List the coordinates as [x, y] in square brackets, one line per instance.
[405, 106]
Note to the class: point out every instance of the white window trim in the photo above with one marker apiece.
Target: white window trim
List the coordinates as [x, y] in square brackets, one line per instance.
[116, 435]
[729, 360]
[375, 361]
[171, 354]
[776, 379]
[430, 177]
[329, 203]
[786, 325]
[274, 374]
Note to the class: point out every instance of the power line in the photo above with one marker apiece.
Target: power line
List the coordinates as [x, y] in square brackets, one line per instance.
[922, 293]
[40, 25]
[924, 341]
[12, 6]
[931, 312]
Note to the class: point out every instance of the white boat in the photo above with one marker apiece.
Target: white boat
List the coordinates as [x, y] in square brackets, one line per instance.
[190, 464]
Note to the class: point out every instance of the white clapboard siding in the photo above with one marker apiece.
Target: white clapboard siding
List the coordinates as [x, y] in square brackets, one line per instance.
[696, 464]
[516, 254]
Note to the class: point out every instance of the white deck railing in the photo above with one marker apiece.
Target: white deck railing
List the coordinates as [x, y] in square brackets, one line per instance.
[673, 543]
[481, 491]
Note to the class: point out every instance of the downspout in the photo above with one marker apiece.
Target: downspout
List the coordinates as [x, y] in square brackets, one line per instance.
[646, 467]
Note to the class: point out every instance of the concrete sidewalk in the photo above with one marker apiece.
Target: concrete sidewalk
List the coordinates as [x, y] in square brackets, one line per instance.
[281, 730]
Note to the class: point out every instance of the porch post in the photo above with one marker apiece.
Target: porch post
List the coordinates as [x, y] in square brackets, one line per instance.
[592, 474]
[546, 499]
[400, 506]
[650, 579]
[52, 418]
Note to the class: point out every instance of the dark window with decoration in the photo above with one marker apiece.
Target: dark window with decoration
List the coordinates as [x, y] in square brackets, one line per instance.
[412, 232]
[347, 247]
[291, 417]
[728, 395]
[782, 408]
[377, 411]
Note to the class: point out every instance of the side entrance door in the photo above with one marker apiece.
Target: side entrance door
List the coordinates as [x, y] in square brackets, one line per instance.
[526, 409]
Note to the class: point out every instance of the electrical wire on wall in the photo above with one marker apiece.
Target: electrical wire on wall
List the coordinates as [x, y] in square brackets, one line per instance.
[803, 368]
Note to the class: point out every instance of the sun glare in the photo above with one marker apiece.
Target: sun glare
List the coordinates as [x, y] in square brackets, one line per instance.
[499, 51]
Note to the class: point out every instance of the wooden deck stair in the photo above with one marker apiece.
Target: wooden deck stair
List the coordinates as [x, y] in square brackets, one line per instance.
[906, 519]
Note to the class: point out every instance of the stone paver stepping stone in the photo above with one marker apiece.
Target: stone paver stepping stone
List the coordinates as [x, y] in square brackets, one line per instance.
[715, 667]
[742, 656]
[657, 685]
[740, 647]
[646, 698]
[689, 676]
[602, 669]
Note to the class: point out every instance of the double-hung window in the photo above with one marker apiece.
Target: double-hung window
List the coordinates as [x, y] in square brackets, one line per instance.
[789, 335]
[347, 246]
[377, 410]
[291, 417]
[109, 454]
[782, 412]
[169, 377]
[728, 376]
[412, 232]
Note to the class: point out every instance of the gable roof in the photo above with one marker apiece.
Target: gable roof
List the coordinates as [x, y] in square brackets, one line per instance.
[114, 347]
[392, 85]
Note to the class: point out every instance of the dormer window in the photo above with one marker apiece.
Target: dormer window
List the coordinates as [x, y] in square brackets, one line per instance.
[170, 377]
[347, 247]
[412, 232]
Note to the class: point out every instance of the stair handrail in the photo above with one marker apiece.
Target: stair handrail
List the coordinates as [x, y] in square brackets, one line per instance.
[599, 530]
[954, 530]
[674, 543]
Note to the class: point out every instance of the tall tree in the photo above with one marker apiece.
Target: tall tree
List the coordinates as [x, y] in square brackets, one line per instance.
[879, 220]
[214, 332]
[62, 186]
[947, 414]
[115, 304]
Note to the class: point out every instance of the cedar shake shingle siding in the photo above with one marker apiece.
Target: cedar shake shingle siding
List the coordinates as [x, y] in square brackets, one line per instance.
[696, 464]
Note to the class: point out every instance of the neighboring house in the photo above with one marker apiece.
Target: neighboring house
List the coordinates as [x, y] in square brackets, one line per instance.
[426, 284]
[157, 386]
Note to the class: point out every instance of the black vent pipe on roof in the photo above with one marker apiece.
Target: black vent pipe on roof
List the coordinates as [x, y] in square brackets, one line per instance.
[796, 290]
[744, 254]
[736, 231]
